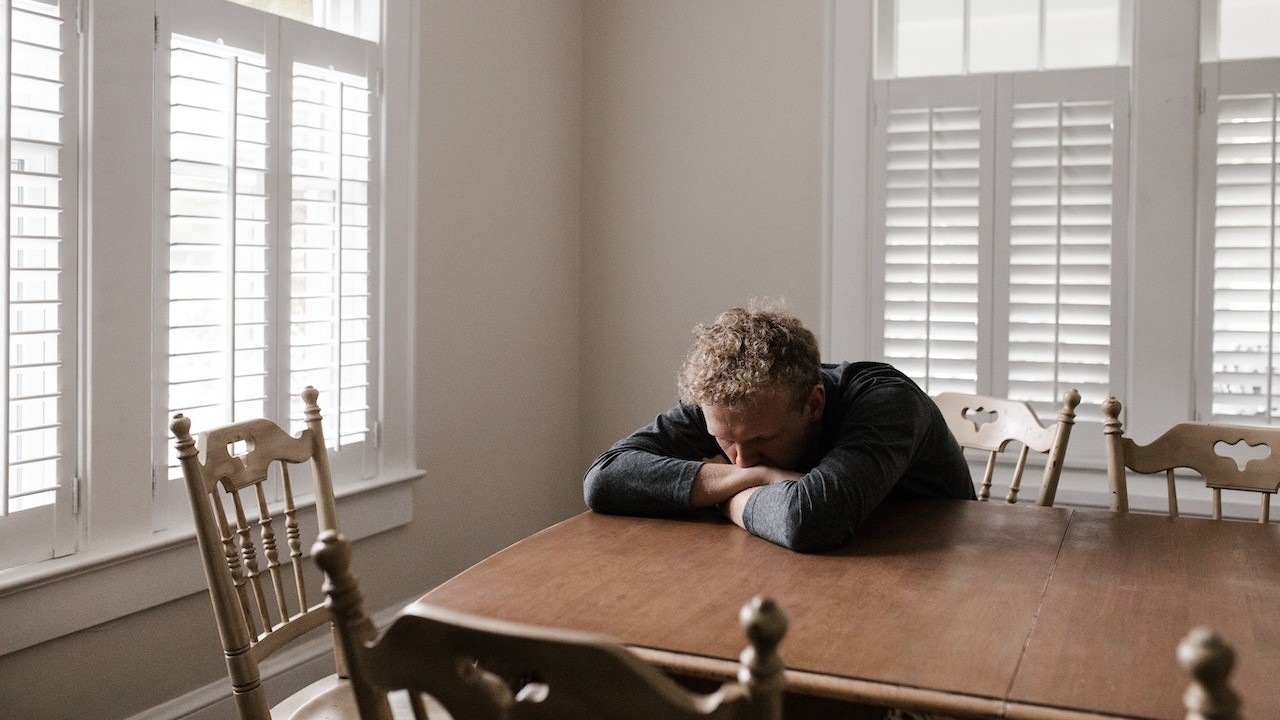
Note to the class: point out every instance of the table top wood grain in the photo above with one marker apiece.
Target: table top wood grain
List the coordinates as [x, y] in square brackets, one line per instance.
[971, 607]
[1128, 587]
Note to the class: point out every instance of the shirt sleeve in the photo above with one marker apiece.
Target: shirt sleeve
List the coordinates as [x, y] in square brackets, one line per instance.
[881, 437]
[651, 472]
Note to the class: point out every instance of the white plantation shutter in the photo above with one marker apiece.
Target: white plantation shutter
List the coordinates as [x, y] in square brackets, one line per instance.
[1064, 179]
[218, 234]
[271, 219]
[331, 303]
[929, 204]
[1242, 138]
[39, 379]
[998, 218]
[931, 245]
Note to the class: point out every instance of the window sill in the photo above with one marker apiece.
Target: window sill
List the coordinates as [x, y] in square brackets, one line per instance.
[46, 600]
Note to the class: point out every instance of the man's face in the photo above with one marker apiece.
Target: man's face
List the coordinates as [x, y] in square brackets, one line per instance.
[770, 431]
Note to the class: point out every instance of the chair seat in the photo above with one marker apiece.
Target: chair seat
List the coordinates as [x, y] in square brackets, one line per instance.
[331, 698]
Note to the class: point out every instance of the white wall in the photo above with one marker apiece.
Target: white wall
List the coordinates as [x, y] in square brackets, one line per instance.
[703, 185]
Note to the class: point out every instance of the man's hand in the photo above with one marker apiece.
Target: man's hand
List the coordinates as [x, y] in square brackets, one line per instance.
[729, 486]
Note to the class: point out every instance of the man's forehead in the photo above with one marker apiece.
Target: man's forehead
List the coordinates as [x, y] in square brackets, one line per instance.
[757, 418]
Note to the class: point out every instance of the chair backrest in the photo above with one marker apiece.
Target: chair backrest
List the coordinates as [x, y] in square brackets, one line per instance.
[259, 601]
[1211, 450]
[1210, 660]
[483, 669]
[990, 424]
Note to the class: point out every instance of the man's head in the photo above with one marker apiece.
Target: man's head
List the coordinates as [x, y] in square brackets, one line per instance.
[755, 373]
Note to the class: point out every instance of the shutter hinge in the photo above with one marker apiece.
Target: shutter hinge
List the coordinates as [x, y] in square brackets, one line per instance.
[1203, 99]
[378, 80]
[377, 434]
[80, 18]
[155, 32]
[75, 494]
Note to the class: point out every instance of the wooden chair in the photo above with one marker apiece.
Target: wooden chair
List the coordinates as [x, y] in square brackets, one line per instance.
[482, 669]
[1198, 447]
[1209, 660]
[256, 583]
[990, 424]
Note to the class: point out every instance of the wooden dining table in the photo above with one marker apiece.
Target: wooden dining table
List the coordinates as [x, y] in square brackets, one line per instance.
[966, 608]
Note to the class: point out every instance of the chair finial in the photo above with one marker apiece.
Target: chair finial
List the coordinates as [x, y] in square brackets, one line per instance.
[1070, 401]
[1209, 660]
[1111, 408]
[311, 406]
[761, 669]
[183, 442]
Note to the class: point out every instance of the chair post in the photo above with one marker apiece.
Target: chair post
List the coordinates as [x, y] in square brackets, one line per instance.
[1209, 660]
[345, 601]
[1113, 434]
[326, 508]
[326, 511]
[246, 682]
[1053, 464]
[762, 669]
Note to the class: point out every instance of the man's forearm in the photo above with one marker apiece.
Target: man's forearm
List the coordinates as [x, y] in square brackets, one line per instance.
[736, 506]
[717, 482]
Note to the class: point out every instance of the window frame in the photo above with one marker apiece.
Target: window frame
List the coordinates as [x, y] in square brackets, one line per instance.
[1162, 372]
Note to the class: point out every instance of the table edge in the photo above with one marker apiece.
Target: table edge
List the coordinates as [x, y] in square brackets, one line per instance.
[830, 686]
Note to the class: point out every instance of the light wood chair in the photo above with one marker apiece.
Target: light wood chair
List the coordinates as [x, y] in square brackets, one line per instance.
[1198, 447]
[990, 424]
[255, 578]
[483, 669]
[1210, 660]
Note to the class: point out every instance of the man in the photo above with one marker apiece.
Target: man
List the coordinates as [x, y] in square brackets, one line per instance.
[792, 450]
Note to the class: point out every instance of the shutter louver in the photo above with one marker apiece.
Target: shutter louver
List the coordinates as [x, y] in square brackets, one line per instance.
[931, 249]
[218, 249]
[331, 296]
[40, 310]
[1060, 252]
[1244, 259]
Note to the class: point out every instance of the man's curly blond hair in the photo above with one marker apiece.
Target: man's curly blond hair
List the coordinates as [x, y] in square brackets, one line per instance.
[748, 353]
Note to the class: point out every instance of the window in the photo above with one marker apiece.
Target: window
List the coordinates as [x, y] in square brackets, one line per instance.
[38, 491]
[208, 234]
[270, 261]
[1240, 224]
[960, 37]
[999, 199]
[1245, 29]
[350, 17]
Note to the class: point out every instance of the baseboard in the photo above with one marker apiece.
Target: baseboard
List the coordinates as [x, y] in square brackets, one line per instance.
[283, 674]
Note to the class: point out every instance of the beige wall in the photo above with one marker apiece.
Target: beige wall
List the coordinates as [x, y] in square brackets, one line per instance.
[595, 178]
[498, 270]
[702, 185]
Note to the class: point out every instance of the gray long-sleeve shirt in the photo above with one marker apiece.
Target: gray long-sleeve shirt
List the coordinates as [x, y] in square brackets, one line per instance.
[881, 436]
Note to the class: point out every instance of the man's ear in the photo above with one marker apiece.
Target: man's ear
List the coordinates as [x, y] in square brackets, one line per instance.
[816, 403]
